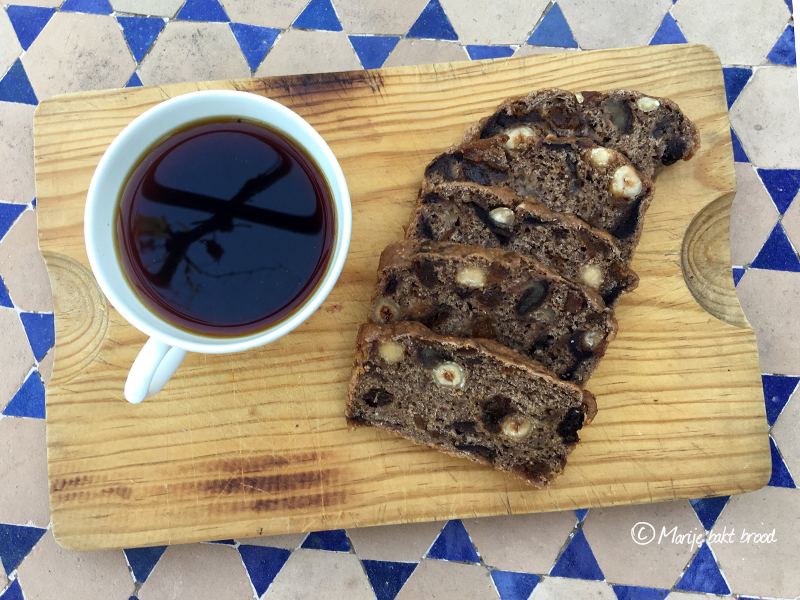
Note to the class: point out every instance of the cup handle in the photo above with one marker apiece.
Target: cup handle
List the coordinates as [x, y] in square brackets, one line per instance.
[152, 369]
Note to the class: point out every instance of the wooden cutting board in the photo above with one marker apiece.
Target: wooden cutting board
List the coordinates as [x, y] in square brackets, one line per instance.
[256, 443]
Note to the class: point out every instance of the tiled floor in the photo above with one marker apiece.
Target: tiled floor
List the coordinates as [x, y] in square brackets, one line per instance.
[50, 47]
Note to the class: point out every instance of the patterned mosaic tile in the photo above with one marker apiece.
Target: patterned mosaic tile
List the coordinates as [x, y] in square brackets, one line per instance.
[453, 544]
[16, 147]
[777, 254]
[28, 22]
[556, 588]
[765, 118]
[80, 575]
[78, 52]
[553, 30]
[783, 52]
[439, 579]
[668, 32]
[298, 51]
[289, 541]
[28, 401]
[711, 21]
[477, 22]
[23, 464]
[22, 267]
[387, 578]
[142, 561]
[254, 41]
[577, 561]
[777, 391]
[395, 543]
[373, 50]
[630, 592]
[153, 8]
[379, 17]
[433, 24]
[318, 574]
[279, 13]
[595, 26]
[758, 566]
[514, 586]
[418, 52]
[703, 574]
[781, 477]
[623, 544]
[140, 33]
[10, 48]
[708, 510]
[262, 564]
[197, 571]
[753, 216]
[525, 543]
[189, 51]
[16, 352]
[786, 434]
[776, 317]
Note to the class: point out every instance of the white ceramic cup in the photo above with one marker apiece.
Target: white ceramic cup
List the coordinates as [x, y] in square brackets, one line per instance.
[169, 344]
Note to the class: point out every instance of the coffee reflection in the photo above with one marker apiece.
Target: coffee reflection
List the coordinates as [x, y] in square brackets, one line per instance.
[225, 228]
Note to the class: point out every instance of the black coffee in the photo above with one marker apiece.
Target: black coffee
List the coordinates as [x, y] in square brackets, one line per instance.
[225, 227]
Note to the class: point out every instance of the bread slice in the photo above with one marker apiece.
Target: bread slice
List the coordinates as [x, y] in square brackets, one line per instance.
[652, 132]
[470, 398]
[471, 291]
[568, 175]
[468, 213]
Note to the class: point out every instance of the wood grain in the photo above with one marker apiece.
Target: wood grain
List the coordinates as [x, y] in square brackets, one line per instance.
[256, 443]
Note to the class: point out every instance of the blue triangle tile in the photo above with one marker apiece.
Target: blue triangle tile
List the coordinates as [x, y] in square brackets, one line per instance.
[223, 542]
[788, 3]
[140, 33]
[514, 586]
[709, 509]
[92, 7]
[203, 10]
[777, 253]
[319, 14]
[782, 52]
[578, 561]
[373, 50]
[739, 154]
[16, 87]
[5, 299]
[632, 592]
[479, 52]
[387, 578]
[33, 203]
[777, 390]
[28, 22]
[703, 575]
[432, 24]
[15, 543]
[29, 399]
[8, 214]
[553, 31]
[735, 80]
[581, 513]
[143, 560]
[263, 564]
[41, 332]
[134, 81]
[668, 33]
[782, 185]
[780, 474]
[332, 541]
[254, 41]
[454, 544]
[12, 592]
[738, 273]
